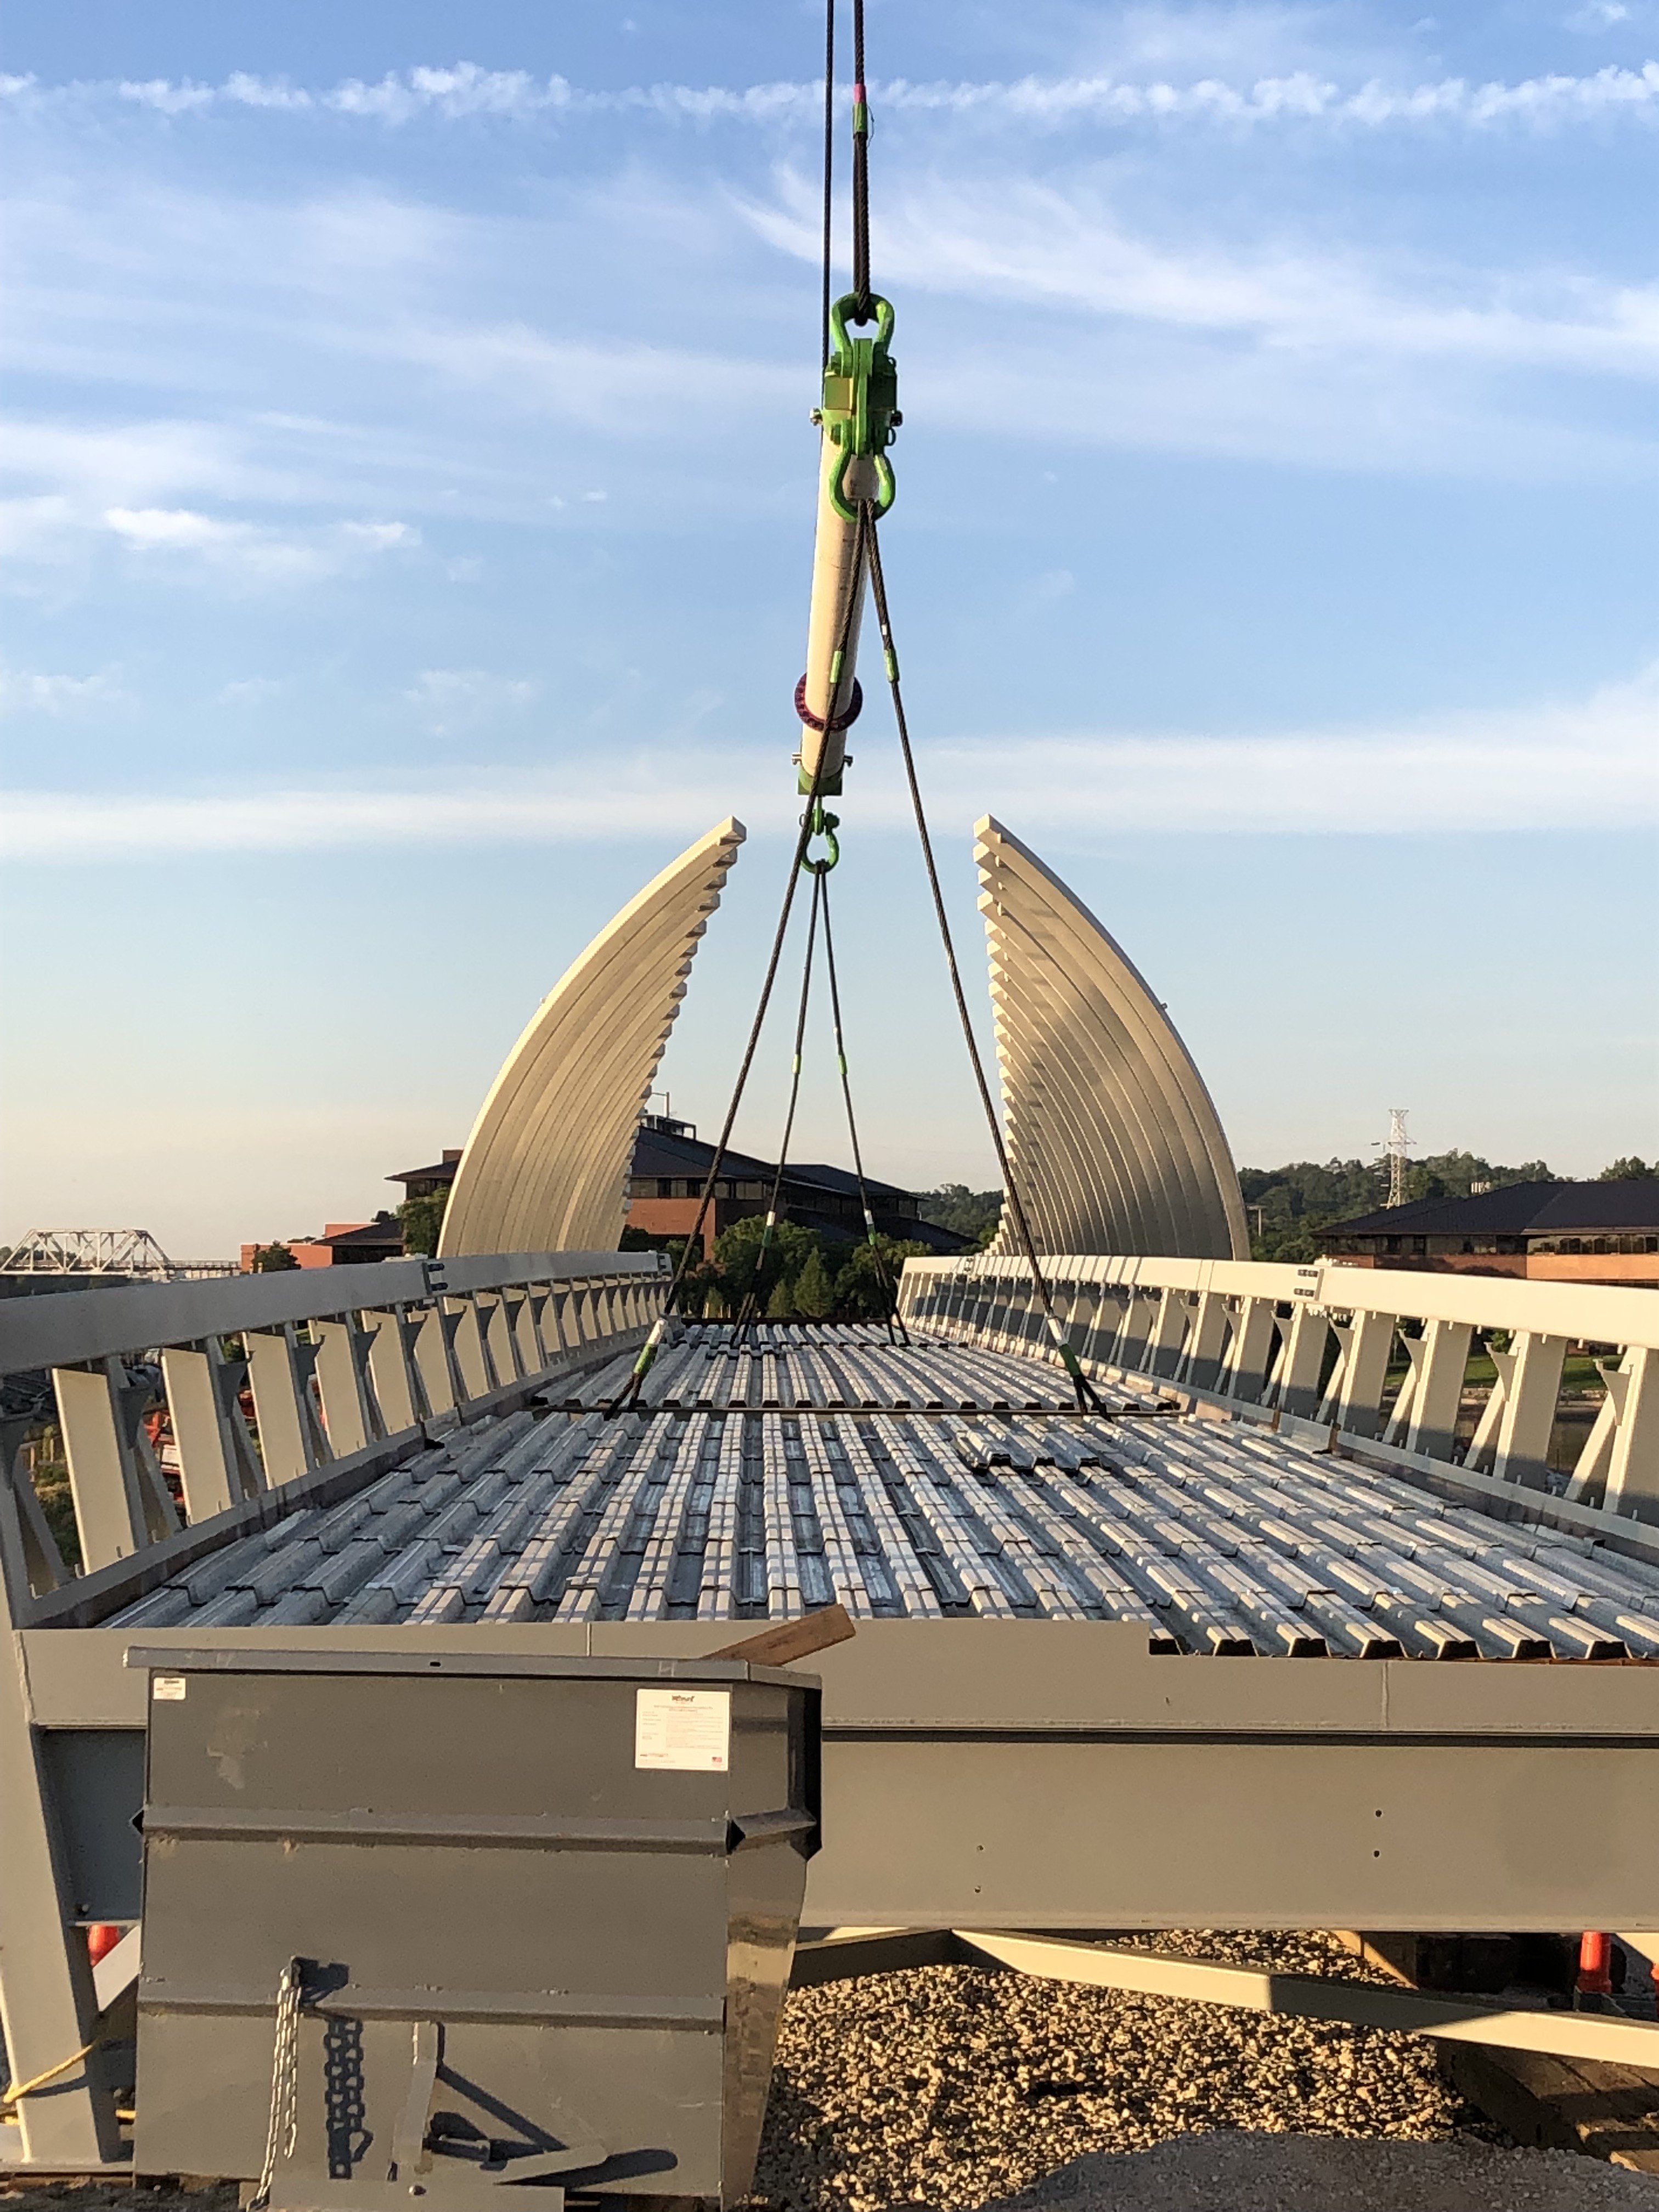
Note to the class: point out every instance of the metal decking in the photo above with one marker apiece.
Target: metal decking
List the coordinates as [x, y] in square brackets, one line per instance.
[922, 1482]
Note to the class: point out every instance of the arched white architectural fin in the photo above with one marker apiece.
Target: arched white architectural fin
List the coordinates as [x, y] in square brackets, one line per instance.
[1113, 1140]
[545, 1168]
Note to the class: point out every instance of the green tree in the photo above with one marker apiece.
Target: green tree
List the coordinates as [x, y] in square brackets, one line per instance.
[1630, 1169]
[272, 1258]
[972, 1213]
[781, 1306]
[814, 1289]
[422, 1219]
[738, 1255]
[865, 1287]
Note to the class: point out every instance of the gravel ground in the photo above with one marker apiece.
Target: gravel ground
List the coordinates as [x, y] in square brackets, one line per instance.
[955, 2089]
[1306, 2174]
[958, 2088]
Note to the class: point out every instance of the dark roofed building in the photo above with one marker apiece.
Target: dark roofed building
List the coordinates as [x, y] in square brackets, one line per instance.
[425, 1182]
[1577, 1232]
[671, 1165]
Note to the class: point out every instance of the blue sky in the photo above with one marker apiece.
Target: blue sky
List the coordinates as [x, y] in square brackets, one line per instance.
[408, 520]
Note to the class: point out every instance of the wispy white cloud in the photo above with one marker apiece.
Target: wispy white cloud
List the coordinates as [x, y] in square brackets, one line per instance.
[449, 699]
[466, 90]
[1067, 249]
[26, 692]
[249, 549]
[1587, 766]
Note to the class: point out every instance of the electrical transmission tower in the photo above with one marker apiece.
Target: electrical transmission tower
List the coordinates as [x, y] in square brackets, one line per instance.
[1398, 1148]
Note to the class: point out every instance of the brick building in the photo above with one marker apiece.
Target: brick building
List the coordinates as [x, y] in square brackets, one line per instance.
[1561, 1232]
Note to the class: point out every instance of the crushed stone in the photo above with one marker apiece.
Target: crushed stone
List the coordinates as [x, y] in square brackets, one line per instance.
[958, 2088]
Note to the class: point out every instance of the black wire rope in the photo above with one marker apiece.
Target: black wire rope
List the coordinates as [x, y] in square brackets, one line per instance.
[630, 1393]
[1087, 1395]
[828, 165]
[884, 1273]
[751, 1299]
[860, 173]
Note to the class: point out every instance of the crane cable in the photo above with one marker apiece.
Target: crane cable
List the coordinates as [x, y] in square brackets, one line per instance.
[1088, 1398]
[896, 1331]
[811, 823]
[752, 1298]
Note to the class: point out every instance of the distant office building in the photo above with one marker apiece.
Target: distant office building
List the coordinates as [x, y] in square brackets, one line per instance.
[671, 1165]
[342, 1245]
[1562, 1232]
[427, 1183]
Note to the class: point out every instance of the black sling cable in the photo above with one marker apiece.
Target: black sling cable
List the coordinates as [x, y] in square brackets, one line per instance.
[630, 1393]
[860, 171]
[1087, 1397]
[829, 163]
[882, 1272]
[751, 1299]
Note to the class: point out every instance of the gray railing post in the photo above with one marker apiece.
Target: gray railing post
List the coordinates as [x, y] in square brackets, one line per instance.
[48, 2010]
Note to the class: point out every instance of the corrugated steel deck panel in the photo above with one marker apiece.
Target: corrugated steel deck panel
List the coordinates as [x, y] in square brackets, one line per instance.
[923, 1481]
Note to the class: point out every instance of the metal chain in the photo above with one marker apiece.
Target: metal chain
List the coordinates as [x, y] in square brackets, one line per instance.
[283, 2132]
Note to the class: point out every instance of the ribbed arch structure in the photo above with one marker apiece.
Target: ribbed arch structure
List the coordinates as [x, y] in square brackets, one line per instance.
[1114, 1142]
[546, 1167]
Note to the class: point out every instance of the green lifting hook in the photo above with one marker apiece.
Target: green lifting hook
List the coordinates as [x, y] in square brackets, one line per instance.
[860, 401]
[824, 825]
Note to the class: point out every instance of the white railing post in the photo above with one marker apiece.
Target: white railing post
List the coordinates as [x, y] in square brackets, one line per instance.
[1367, 1344]
[1633, 1454]
[1301, 1357]
[217, 1466]
[393, 1372]
[103, 1467]
[1532, 1391]
[1162, 1354]
[279, 1374]
[343, 1352]
[1249, 1349]
[1440, 1360]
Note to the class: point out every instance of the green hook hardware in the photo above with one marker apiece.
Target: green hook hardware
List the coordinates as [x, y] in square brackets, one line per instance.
[824, 825]
[860, 402]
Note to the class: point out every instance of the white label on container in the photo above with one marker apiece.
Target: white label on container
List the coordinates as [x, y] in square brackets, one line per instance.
[690, 1730]
[168, 1689]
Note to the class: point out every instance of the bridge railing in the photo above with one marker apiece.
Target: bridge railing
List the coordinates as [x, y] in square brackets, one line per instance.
[1377, 1356]
[263, 1381]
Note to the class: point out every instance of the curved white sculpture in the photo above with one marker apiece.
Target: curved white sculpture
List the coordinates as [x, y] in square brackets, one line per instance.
[1113, 1140]
[545, 1168]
